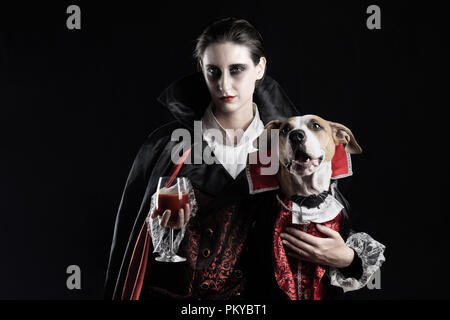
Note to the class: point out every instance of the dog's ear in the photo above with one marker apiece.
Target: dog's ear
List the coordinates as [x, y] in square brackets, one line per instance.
[274, 124]
[342, 134]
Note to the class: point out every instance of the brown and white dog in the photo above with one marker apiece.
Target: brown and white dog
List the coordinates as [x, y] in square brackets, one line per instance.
[306, 147]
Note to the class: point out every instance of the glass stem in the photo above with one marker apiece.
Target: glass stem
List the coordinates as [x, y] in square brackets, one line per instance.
[171, 243]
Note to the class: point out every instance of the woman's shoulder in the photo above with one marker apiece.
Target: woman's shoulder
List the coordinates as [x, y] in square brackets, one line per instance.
[162, 133]
[158, 143]
[158, 140]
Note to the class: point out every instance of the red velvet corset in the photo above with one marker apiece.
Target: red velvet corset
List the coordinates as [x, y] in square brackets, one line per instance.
[215, 245]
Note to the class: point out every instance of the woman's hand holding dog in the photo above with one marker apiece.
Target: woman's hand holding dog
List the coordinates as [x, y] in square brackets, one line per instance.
[330, 251]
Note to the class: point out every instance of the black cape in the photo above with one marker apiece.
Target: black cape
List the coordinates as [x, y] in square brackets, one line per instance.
[186, 99]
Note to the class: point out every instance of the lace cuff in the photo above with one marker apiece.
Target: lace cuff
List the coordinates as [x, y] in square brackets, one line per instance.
[161, 236]
[370, 252]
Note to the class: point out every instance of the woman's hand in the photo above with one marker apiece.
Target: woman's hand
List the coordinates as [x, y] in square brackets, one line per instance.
[330, 251]
[183, 216]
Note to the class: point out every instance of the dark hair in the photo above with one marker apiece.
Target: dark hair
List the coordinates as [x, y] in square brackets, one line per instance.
[234, 30]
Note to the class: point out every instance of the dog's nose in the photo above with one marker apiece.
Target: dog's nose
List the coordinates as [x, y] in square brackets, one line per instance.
[297, 136]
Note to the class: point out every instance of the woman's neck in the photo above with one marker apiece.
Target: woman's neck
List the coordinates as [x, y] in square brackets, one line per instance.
[239, 119]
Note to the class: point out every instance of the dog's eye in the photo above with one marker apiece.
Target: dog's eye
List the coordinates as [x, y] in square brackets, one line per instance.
[285, 130]
[316, 126]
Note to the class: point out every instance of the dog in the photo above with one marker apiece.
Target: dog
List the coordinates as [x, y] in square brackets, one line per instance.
[310, 152]
[307, 144]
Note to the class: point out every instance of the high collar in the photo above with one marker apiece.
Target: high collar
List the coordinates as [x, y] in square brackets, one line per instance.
[188, 98]
[341, 167]
[210, 125]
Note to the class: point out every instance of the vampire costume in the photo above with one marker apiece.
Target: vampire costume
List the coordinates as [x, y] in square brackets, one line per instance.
[229, 242]
[301, 280]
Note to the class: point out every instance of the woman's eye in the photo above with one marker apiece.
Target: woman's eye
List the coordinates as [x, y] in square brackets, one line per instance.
[212, 71]
[236, 70]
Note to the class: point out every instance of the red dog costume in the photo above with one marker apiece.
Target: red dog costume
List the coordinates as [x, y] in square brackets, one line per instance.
[300, 280]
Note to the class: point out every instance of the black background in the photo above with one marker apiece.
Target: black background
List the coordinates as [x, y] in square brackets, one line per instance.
[77, 104]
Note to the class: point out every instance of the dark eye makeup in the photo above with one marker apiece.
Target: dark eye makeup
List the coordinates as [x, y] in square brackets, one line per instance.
[235, 70]
[213, 71]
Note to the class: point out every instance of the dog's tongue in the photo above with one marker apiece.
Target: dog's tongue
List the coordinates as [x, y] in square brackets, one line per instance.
[315, 162]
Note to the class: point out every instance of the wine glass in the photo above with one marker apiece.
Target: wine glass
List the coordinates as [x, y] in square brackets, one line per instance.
[172, 193]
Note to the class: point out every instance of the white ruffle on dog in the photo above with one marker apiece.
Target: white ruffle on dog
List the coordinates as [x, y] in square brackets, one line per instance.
[326, 211]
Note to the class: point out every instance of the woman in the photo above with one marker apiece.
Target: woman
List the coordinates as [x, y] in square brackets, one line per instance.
[228, 242]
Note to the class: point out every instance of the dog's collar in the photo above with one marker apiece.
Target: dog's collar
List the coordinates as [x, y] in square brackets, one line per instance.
[311, 201]
[327, 210]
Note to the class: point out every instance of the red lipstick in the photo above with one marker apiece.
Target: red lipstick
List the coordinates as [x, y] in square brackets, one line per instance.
[227, 98]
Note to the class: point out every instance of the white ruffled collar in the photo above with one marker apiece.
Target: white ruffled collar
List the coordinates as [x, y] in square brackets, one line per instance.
[326, 211]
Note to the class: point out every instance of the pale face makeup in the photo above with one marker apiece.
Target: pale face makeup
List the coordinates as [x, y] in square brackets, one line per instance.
[230, 76]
